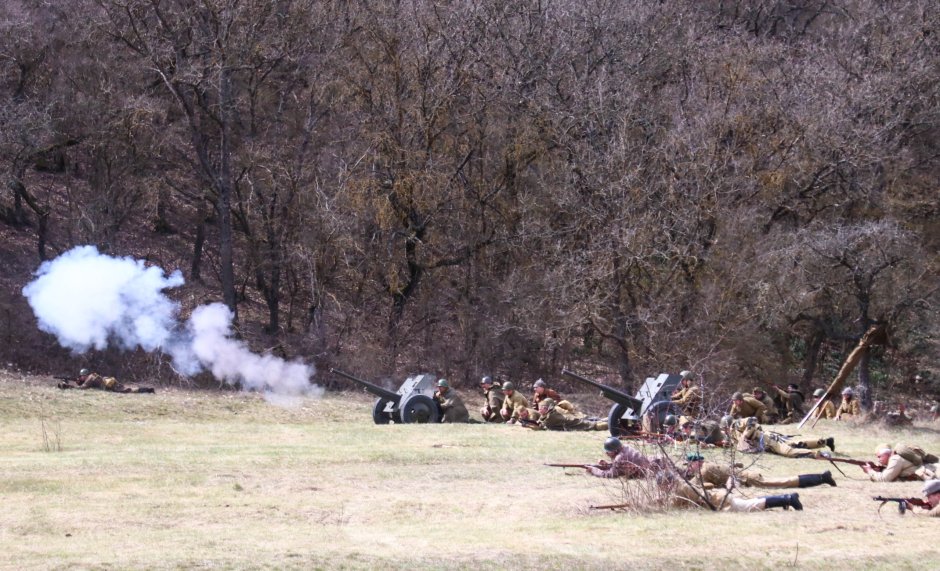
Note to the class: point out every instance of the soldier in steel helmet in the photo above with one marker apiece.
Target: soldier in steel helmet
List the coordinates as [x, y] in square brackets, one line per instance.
[626, 462]
[513, 404]
[493, 395]
[849, 407]
[688, 397]
[551, 417]
[746, 406]
[452, 407]
[826, 409]
[720, 475]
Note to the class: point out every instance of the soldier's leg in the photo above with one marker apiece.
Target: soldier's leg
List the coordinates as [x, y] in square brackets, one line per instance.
[601, 425]
[811, 443]
[785, 502]
[758, 481]
[742, 505]
[784, 449]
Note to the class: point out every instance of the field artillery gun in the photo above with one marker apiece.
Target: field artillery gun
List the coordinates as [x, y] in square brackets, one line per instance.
[413, 403]
[653, 398]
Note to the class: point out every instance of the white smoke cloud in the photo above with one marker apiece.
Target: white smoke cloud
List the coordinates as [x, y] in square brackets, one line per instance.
[90, 300]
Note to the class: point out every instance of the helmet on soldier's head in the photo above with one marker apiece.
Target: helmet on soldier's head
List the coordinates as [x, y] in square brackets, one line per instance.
[685, 375]
[508, 386]
[670, 420]
[694, 457]
[726, 421]
[757, 390]
[848, 392]
[612, 444]
[83, 372]
[487, 380]
[547, 403]
[737, 396]
[819, 392]
[443, 383]
[538, 383]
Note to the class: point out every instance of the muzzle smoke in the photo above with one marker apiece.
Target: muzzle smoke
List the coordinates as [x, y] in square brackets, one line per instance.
[90, 300]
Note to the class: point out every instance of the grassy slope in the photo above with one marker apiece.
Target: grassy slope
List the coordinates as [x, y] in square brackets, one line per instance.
[206, 480]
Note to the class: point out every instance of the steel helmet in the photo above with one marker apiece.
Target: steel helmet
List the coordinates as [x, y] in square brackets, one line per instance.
[685, 374]
[848, 392]
[670, 420]
[83, 372]
[613, 444]
[538, 383]
[508, 386]
[549, 403]
[443, 383]
[726, 421]
[819, 392]
[487, 380]
[737, 396]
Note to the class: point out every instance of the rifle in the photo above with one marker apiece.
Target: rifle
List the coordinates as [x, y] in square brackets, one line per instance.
[863, 464]
[610, 507]
[903, 503]
[526, 423]
[576, 465]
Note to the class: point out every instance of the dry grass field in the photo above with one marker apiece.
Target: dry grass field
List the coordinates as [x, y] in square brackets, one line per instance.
[202, 480]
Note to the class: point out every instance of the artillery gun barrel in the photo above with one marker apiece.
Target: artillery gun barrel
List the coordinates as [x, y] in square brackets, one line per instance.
[372, 388]
[611, 393]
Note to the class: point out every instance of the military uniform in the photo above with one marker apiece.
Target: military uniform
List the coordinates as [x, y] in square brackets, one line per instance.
[628, 463]
[452, 406]
[513, 405]
[825, 410]
[689, 399]
[707, 431]
[848, 408]
[770, 415]
[717, 475]
[552, 394]
[96, 381]
[906, 461]
[558, 419]
[494, 402]
[684, 495]
[751, 438]
[794, 400]
[748, 407]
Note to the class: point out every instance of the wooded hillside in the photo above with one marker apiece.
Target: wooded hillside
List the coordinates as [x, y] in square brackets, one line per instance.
[740, 188]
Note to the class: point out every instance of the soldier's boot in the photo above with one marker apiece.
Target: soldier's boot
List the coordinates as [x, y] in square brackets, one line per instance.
[785, 501]
[812, 480]
[831, 443]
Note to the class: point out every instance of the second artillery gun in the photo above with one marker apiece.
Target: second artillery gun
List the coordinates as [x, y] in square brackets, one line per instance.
[654, 398]
[413, 403]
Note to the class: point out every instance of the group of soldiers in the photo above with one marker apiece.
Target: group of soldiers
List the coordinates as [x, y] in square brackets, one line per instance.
[545, 410]
[770, 409]
[710, 485]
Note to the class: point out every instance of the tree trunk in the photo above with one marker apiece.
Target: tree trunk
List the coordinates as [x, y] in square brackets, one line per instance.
[226, 246]
[811, 359]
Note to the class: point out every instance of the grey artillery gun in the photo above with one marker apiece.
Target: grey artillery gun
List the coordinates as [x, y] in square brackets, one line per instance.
[413, 403]
[654, 397]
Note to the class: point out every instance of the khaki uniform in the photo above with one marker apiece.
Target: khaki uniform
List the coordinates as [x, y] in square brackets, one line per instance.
[494, 402]
[848, 408]
[685, 495]
[709, 432]
[934, 512]
[754, 440]
[452, 406]
[552, 394]
[629, 463]
[906, 461]
[557, 419]
[749, 406]
[770, 415]
[513, 405]
[826, 410]
[690, 400]
[96, 381]
[794, 400]
[717, 475]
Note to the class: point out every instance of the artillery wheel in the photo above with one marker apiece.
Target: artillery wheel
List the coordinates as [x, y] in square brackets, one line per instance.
[379, 416]
[661, 409]
[419, 409]
[615, 421]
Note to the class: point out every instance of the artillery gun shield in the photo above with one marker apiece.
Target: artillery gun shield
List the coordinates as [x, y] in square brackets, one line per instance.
[419, 408]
